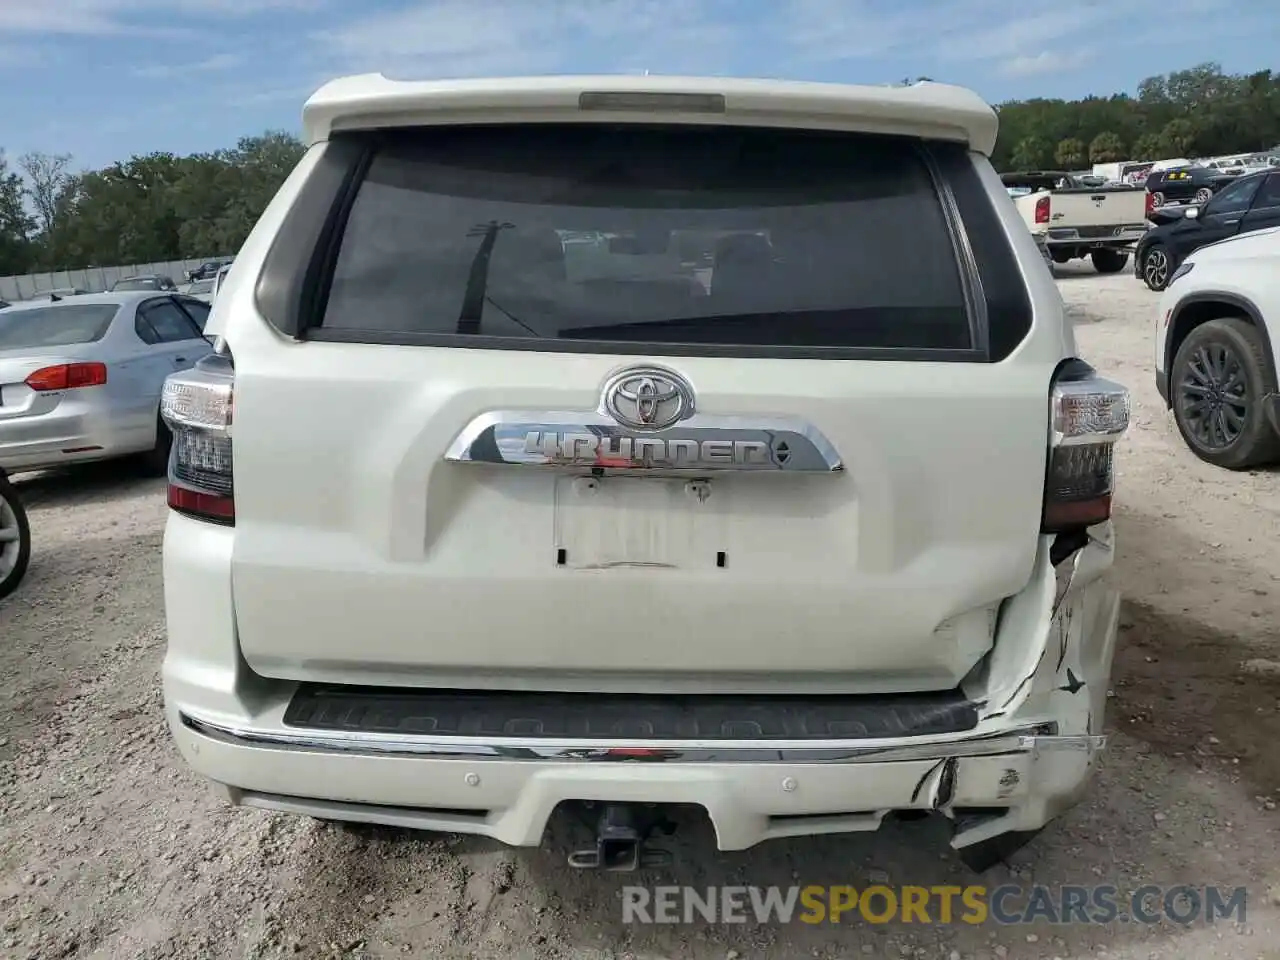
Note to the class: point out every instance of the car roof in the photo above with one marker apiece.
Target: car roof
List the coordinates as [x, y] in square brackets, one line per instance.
[1252, 175]
[118, 297]
[925, 109]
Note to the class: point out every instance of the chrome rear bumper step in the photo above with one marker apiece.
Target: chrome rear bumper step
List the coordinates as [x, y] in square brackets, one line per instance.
[1032, 738]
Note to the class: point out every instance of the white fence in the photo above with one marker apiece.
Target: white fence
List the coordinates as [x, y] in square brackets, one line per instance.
[91, 279]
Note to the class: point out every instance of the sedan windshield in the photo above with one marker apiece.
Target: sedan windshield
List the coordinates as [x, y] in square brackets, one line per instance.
[55, 326]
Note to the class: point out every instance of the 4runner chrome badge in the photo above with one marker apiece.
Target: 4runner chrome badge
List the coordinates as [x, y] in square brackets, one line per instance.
[645, 421]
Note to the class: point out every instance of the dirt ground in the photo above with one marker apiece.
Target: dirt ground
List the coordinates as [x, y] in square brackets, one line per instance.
[109, 847]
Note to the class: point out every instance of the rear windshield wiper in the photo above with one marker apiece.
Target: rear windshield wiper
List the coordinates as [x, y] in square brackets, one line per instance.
[478, 280]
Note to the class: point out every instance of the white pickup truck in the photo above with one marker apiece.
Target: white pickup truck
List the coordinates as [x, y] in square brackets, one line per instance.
[1074, 220]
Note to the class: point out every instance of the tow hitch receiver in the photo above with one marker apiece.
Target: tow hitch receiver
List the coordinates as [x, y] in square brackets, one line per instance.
[622, 835]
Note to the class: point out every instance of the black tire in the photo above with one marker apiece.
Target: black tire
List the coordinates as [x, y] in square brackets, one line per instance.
[1059, 255]
[1222, 370]
[1158, 199]
[1109, 261]
[15, 554]
[1157, 267]
[156, 460]
[1202, 196]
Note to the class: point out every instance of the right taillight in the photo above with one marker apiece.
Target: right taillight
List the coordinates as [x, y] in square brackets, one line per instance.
[197, 407]
[1042, 210]
[1151, 203]
[1088, 414]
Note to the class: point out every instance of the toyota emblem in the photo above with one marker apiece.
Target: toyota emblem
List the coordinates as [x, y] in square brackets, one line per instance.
[648, 398]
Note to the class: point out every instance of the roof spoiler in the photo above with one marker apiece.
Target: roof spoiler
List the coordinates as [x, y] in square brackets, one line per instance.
[930, 110]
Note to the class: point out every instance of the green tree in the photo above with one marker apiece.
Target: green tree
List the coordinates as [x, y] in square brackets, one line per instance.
[46, 177]
[1070, 153]
[1149, 146]
[158, 206]
[1106, 147]
[1178, 137]
[16, 225]
[1227, 113]
[1032, 153]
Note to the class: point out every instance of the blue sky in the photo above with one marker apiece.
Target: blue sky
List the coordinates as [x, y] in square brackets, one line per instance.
[104, 79]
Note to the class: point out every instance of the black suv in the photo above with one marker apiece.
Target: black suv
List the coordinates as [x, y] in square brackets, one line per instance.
[1187, 185]
[208, 270]
[1252, 202]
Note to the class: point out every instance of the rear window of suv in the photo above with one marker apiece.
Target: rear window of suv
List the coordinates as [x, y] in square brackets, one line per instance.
[588, 237]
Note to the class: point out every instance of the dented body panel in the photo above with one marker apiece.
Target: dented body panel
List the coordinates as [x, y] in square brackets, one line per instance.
[1032, 754]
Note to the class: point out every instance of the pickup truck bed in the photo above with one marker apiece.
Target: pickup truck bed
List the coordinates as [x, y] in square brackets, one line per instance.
[1075, 220]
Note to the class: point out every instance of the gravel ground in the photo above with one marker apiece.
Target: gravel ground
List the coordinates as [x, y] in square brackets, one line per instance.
[110, 848]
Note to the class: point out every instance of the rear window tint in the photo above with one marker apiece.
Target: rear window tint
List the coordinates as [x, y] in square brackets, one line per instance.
[650, 235]
[30, 327]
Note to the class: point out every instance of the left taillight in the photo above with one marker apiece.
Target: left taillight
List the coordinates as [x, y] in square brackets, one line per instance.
[197, 407]
[67, 376]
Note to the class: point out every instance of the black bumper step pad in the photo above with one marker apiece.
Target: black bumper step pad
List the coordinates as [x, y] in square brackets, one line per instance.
[579, 716]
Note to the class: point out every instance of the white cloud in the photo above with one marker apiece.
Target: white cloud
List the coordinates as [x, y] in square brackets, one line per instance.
[296, 93]
[15, 55]
[433, 38]
[949, 30]
[444, 36]
[457, 38]
[137, 17]
[1045, 62]
[837, 30]
[216, 63]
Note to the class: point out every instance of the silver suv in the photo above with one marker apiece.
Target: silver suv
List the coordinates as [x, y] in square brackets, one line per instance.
[636, 441]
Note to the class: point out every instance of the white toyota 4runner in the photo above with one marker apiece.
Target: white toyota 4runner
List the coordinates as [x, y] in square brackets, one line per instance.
[630, 442]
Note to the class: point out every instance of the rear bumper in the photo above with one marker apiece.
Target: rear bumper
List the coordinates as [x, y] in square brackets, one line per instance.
[488, 790]
[1091, 239]
[72, 433]
[1030, 755]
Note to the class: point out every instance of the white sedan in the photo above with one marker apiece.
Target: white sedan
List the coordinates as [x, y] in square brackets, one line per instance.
[80, 378]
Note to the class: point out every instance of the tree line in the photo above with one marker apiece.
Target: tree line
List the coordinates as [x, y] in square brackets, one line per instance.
[149, 208]
[1200, 112]
[164, 207]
